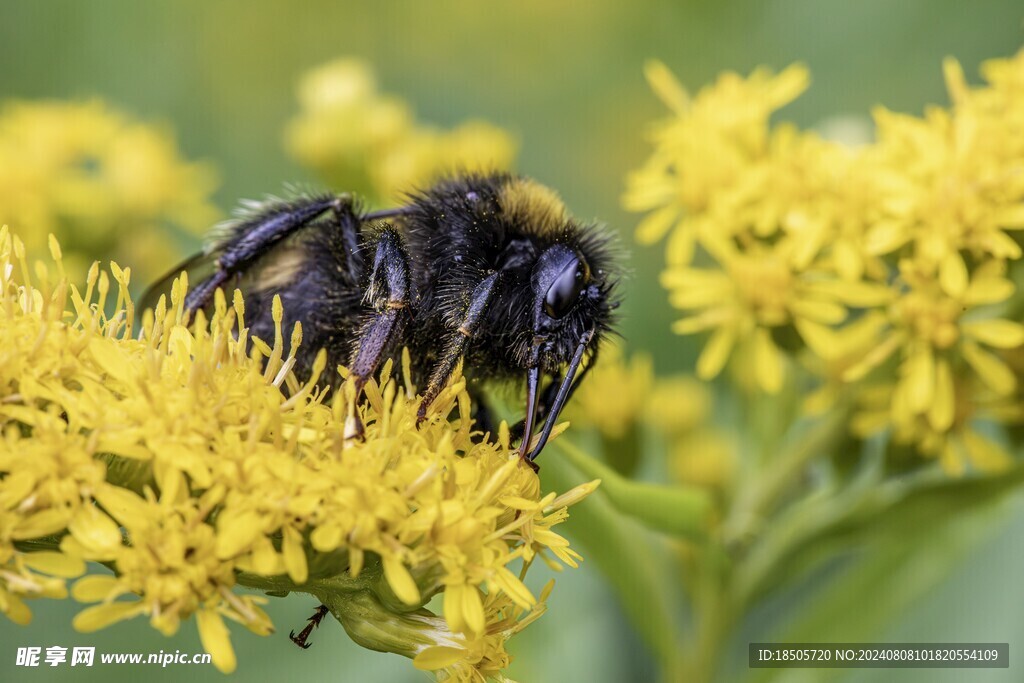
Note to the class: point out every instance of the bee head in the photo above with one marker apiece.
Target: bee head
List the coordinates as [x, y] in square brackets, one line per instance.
[556, 291]
[572, 287]
[565, 301]
[571, 308]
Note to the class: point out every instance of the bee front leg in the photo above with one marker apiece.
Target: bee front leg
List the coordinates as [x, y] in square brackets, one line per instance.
[455, 349]
[388, 295]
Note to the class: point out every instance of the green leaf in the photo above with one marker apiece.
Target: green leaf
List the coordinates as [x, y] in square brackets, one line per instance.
[871, 592]
[673, 509]
[896, 511]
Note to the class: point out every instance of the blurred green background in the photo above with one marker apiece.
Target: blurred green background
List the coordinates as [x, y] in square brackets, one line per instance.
[565, 77]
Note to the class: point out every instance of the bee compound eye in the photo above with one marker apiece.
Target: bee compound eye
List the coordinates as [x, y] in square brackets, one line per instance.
[565, 290]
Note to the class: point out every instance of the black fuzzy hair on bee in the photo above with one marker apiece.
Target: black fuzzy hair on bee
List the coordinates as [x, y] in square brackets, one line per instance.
[472, 224]
[487, 269]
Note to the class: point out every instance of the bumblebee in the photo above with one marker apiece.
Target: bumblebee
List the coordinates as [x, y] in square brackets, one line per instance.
[487, 269]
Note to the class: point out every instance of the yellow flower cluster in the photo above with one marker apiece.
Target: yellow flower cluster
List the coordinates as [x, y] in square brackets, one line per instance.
[103, 183]
[358, 139]
[189, 459]
[882, 264]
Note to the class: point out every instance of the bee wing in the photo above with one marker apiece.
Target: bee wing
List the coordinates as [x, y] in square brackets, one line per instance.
[199, 267]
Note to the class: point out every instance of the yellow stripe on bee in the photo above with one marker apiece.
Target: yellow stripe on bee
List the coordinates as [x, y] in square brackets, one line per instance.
[535, 204]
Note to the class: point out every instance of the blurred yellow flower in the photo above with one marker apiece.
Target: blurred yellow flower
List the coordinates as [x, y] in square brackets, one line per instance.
[358, 139]
[190, 458]
[427, 154]
[750, 294]
[622, 394]
[948, 193]
[705, 458]
[678, 404]
[102, 182]
[616, 393]
[783, 243]
[967, 442]
[935, 334]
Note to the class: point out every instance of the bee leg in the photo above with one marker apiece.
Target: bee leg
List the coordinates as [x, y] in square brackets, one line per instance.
[253, 238]
[388, 295]
[348, 224]
[302, 639]
[455, 349]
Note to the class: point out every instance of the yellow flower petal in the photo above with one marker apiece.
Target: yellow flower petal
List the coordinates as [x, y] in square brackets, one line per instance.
[16, 610]
[919, 376]
[100, 616]
[956, 84]
[767, 363]
[820, 339]
[122, 504]
[858, 294]
[94, 588]
[401, 581]
[699, 323]
[953, 274]
[573, 495]
[992, 371]
[819, 311]
[216, 639]
[943, 408]
[875, 357]
[665, 85]
[54, 563]
[680, 247]
[1011, 218]
[294, 555]
[438, 657]
[42, 523]
[236, 532]
[473, 610]
[985, 454]
[1002, 334]
[96, 531]
[510, 584]
[110, 358]
[989, 290]
[716, 353]
[655, 226]
[453, 604]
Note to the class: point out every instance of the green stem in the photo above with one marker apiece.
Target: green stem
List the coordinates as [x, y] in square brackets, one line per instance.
[340, 583]
[635, 562]
[715, 615]
[766, 490]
